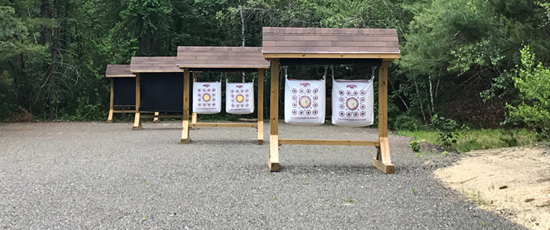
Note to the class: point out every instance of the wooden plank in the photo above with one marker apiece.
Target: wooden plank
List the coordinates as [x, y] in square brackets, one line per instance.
[118, 71]
[388, 169]
[111, 105]
[285, 141]
[383, 100]
[156, 118]
[231, 125]
[273, 160]
[274, 103]
[124, 111]
[185, 123]
[286, 37]
[384, 164]
[161, 116]
[260, 107]
[388, 57]
[137, 118]
[223, 66]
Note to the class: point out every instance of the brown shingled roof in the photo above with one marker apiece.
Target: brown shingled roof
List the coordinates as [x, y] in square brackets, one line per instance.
[154, 65]
[118, 71]
[330, 42]
[210, 57]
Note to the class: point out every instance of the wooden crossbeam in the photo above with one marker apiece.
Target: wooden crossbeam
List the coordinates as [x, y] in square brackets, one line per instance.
[231, 125]
[285, 141]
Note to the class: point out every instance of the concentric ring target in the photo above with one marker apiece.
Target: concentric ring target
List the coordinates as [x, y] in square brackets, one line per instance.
[355, 93]
[363, 107]
[315, 91]
[315, 97]
[247, 90]
[362, 99]
[206, 97]
[349, 114]
[301, 112]
[294, 112]
[342, 106]
[239, 98]
[294, 105]
[352, 103]
[308, 91]
[305, 101]
[342, 113]
[341, 92]
[314, 112]
[308, 112]
[232, 105]
[363, 92]
[301, 91]
[355, 114]
[294, 97]
[315, 105]
[348, 93]
[294, 91]
[342, 99]
[363, 113]
[232, 91]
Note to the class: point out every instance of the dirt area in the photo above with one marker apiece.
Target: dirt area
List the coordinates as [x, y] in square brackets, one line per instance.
[512, 182]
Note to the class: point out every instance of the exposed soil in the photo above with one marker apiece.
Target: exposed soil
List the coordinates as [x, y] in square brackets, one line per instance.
[512, 182]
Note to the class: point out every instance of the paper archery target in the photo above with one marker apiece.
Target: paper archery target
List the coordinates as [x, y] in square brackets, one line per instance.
[207, 99]
[305, 102]
[352, 103]
[239, 98]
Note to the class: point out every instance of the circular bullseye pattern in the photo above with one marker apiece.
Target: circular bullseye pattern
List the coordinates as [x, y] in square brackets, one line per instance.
[206, 97]
[240, 98]
[352, 103]
[305, 102]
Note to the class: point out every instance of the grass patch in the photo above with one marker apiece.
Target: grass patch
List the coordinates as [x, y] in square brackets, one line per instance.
[469, 140]
[349, 200]
[474, 197]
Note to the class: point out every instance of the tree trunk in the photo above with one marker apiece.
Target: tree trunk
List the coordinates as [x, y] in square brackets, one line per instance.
[54, 50]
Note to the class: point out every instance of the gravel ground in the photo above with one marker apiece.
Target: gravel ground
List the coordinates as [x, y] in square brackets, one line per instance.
[106, 176]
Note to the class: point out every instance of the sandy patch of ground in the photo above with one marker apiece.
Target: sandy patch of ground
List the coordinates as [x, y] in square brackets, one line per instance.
[512, 182]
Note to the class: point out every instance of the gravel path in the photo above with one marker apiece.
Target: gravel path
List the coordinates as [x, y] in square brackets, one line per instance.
[106, 176]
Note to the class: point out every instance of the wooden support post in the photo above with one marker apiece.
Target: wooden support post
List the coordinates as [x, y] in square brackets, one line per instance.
[111, 107]
[137, 118]
[273, 161]
[194, 115]
[185, 123]
[383, 159]
[260, 107]
[156, 118]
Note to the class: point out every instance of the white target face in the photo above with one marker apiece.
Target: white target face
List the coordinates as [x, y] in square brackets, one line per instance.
[305, 102]
[351, 103]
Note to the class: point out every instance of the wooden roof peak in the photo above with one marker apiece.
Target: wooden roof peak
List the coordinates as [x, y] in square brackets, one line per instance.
[221, 57]
[118, 71]
[154, 65]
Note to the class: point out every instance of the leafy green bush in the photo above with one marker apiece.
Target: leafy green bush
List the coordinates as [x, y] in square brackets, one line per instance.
[448, 134]
[406, 122]
[415, 145]
[533, 82]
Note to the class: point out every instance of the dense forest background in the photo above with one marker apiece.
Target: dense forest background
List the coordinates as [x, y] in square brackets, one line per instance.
[477, 62]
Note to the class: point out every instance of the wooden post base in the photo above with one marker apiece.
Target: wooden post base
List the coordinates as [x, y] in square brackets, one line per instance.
[273, 161]
[110, 117]
[137, 122]
[185, 132]
[386, 168]
[156, 118]
[109, 121]
[382, 161]
[260, 142]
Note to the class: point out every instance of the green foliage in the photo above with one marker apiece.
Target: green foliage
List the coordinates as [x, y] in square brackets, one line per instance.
[448, 134]
[415, 145]
[470, 139]
[533, 83]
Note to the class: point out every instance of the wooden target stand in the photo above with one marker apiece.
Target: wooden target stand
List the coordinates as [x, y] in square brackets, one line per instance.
[331, 46]
[151, 65]
[221, 59]
[122, 88]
